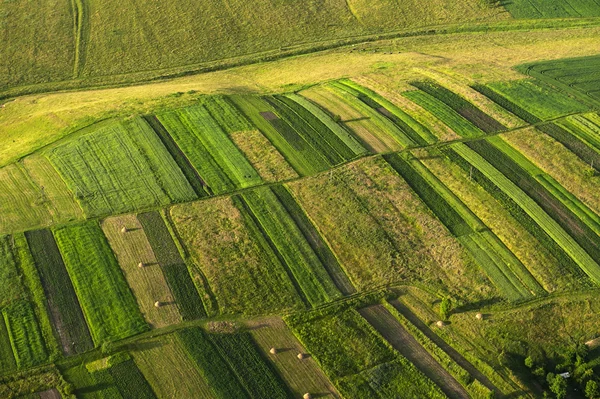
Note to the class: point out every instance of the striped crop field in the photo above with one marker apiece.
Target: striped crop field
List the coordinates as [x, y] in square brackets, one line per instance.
[98, 168]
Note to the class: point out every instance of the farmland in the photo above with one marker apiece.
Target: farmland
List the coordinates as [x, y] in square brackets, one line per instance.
[319, 199]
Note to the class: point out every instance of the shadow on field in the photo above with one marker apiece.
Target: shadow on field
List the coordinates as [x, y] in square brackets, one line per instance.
[142, 346]
[477, 305]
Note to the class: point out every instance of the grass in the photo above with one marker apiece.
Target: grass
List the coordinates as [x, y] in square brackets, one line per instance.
[98, 168]
[585, 152]
[12, 288]
[538, 98]
[502, 267]
[211, 365]
[539, 261]
[7, 358]
[173, 267]
[300, 376]
[264, 157]
[108, 304]
[227, 250]
[130, 381]
[169, 371]
[566, 242]
[67, 317]
[25, 335]
[291, 246]
[229, 118]
[553, 9]
[147, 283]
[96, 385]
[384, 240]
[249, 365]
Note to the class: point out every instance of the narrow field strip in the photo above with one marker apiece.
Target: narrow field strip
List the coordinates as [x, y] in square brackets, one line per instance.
[585, 262]
[173, 266]
[67, 317]
[141, 270]
[107, 302]
[293, 248]
[26, 338]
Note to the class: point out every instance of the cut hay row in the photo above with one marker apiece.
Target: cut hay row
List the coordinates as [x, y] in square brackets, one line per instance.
[357, 100]
[347, 138]
[250, 366]
[365, 130]
[67, 317]
[172, 265]
[229, 252]
[292, 247]
[417, 132]
[98, 169]
[280, 134]
[141, 270]
[200, 123]
[223, 382]
[325, 140]
[463, 107]
[575, 218]
[300, 375]
[107, 302]
[178, 155]
[553, 229]
[26, 338]
[312, 236]
[502, 267]
[440, 110]
[169, 371]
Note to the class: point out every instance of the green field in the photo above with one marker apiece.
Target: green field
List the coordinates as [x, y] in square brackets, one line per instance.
[553, 9]
[108, 304]
[120, 151]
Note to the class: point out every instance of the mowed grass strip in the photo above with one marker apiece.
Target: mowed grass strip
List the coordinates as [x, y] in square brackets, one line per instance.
[26, 338]
[250, 366]
[231, 160]
[326, 256]
[300, 375]
[67, 317]
[229, 252]
[264, 157]
[339, 106]
[108, 304]
[147, 282]
[293, 148]
[229, 118]
[21, 201]
[412, 128]
[214, 369]
[98, 168]
[551, 227]
[173, 266]
[169, 371]
[55, 193]
[299, 257]
[344, 135]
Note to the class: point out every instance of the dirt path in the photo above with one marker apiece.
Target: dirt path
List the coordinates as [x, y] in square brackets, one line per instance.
[387, 325]
[454, 355]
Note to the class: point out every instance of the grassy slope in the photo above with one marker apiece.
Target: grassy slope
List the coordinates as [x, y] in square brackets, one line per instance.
[553, 8]
[32, 122]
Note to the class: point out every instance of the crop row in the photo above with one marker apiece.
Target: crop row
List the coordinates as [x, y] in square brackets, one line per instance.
[130, 382]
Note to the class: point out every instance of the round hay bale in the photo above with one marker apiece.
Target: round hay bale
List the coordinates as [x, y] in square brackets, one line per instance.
[301, 356]
[479, 316]
[124, 230]
[273, 351]
[307, 396]
[440, 324]
[157, 304]
[141, 264]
